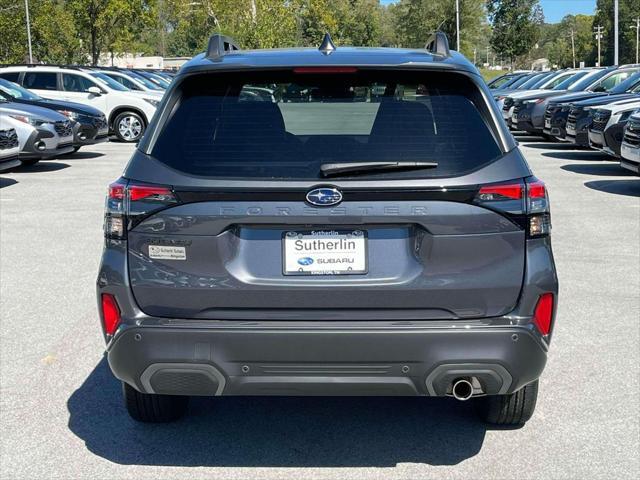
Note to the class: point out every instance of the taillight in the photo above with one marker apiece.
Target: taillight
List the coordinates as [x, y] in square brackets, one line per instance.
[506, 197]
[110, 313]
[501, 192]
[114, 210]
[128, 203]
[538, 208]
[543, 314]
[149, 192]
[525, 202]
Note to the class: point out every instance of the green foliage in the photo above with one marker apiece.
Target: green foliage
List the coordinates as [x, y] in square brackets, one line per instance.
[516, 26]
[629, 10]
[110, 25]
[555, 41]
[82, 31]
[53, 34]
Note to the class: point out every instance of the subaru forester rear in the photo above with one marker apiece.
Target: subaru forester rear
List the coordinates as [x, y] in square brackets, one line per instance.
[333, 221]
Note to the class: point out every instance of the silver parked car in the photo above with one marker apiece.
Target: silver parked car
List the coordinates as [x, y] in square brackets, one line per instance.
[42, 133]
[9, 148]
[630, 150]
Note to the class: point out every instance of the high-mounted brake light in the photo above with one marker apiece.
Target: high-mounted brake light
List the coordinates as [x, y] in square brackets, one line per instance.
[325, 70]
[110, 313]
[543, 314]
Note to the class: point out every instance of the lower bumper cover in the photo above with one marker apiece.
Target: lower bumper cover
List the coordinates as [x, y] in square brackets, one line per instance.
[630, 165]
[87, 134]
[8, 163]
[31, 152]
[259, 359]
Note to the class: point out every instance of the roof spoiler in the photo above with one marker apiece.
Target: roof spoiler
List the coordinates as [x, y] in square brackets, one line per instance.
[438, 44]
[220, 45]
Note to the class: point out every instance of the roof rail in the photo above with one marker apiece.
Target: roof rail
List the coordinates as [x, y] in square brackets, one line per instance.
[438, 44]
[220, 45]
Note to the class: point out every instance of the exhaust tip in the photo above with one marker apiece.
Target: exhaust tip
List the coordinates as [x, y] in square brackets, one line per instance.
[462, 389]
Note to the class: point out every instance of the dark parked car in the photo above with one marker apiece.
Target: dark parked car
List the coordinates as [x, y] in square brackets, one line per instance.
[328, 247]
[614, 86]
[503, 81]
[89, 124]
[530, 109]
[581, 115]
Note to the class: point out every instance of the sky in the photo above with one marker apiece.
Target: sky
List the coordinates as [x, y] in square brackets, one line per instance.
[554, 10]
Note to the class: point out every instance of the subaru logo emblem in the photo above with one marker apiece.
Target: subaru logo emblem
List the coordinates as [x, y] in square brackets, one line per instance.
[305, 261]
[324, 196]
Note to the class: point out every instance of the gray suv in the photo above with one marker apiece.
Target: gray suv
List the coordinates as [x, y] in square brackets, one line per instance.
[380, 235]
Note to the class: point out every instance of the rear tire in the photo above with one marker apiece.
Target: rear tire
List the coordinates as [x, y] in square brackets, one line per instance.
[153, 408]
[514, 409]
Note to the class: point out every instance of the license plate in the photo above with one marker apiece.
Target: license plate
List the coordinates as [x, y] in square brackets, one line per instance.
[325, 252]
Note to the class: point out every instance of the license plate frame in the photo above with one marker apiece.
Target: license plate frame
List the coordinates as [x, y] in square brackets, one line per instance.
[301, 269]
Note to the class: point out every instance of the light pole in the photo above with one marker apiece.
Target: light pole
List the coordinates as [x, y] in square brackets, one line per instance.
[458, 25]
[26, 9]
[598, 31]
[615, 33]
[573, 49]
[637, 27]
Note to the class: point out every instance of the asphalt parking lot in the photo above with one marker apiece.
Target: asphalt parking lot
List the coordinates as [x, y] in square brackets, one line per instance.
[61, 414]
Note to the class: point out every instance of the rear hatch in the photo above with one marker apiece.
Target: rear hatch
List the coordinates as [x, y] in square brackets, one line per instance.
[326, 194]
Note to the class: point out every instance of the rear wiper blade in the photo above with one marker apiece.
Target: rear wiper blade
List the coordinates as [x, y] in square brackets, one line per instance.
[331, 169]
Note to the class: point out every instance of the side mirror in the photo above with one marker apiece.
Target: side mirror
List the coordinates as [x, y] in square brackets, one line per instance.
[94, 91]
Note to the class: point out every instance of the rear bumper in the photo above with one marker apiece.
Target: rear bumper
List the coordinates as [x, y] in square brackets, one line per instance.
[327, 358]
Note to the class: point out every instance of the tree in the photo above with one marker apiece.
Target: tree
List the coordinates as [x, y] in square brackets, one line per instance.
[111, 25]
[516, 26]
[629, 10]
[416, 20]
[350, 22]
[555, 41]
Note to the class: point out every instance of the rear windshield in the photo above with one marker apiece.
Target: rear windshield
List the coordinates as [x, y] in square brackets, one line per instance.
[288, 124]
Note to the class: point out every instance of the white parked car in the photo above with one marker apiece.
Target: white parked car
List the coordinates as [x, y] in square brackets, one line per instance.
[9, 147]
[607, 125]
[630, 151]
[128, 113]
[42, 133]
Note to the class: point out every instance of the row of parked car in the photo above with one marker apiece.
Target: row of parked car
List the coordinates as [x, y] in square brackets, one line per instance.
[595, 108]
[48, 110]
